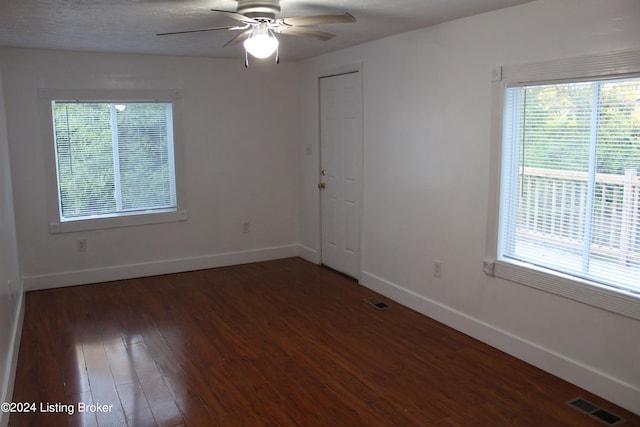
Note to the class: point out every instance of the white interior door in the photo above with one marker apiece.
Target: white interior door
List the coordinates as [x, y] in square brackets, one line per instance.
[341, 171]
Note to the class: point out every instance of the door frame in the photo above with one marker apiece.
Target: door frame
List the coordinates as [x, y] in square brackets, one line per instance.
[326, 73]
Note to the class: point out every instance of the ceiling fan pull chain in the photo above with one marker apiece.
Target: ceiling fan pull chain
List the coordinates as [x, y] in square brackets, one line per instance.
[277, 45]
[246, 59]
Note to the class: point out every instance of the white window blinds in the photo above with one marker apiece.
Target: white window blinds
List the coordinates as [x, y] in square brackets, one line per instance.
[113, 158]
[571, 190]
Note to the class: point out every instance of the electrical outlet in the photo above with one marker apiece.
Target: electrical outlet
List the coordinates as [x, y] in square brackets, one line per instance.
[12, 288]
[437, 268]
[81, 245]
[246, 227]
[488, 266]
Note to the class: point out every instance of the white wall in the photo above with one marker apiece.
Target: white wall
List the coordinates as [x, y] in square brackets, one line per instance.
[240, 139]
[10, 282]
[427, 107]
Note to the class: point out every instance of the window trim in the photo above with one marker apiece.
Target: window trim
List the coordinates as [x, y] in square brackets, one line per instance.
[56, 223]
[617, 64]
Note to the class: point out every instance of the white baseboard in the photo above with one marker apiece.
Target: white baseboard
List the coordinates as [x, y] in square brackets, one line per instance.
[12, 362]
[154, 268]
[309, 254]
[610, 388]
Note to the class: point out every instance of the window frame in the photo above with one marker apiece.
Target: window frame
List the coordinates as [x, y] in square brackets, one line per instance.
[617, 64]
[154, 216]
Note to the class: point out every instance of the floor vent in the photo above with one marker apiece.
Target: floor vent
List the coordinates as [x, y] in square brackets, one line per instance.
[377, 304]
[595, 411]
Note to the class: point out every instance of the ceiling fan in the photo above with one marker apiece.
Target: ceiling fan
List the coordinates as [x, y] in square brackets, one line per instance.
[258, 26]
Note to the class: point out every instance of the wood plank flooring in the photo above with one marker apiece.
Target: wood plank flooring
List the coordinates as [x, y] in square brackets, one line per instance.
[280, 343]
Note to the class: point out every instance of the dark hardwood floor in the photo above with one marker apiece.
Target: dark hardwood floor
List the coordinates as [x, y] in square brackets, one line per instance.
[280, 343]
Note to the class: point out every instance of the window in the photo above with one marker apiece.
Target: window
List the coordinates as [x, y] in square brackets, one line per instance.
[567, 146]
[113, 159]
[571, 184]
[114, 162]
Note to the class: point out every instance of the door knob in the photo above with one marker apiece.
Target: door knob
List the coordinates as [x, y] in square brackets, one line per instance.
[322, 186]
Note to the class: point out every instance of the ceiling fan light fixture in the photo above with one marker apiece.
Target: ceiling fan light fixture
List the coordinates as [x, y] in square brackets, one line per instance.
[262, 43]
[258, 26]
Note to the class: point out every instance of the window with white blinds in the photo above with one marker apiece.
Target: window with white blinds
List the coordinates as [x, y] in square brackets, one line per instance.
[113, 158]
[570, 191]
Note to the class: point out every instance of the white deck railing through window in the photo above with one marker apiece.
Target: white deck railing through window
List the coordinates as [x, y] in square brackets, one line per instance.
[553, 210]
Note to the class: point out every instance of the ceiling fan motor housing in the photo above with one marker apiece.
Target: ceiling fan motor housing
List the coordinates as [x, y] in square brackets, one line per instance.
[259, 8]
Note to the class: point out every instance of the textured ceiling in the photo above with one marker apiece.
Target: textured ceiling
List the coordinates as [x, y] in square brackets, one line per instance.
[130, 26]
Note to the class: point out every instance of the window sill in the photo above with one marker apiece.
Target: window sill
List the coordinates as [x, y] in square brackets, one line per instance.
[142, 218]
[591, 293]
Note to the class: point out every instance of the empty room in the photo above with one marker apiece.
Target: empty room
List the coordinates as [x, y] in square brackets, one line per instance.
[327, 213]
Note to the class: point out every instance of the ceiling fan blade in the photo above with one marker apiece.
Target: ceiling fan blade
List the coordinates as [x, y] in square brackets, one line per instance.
[236, 16]
[306, 32]
[319, 19]
[238, 39]
[196, 31]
